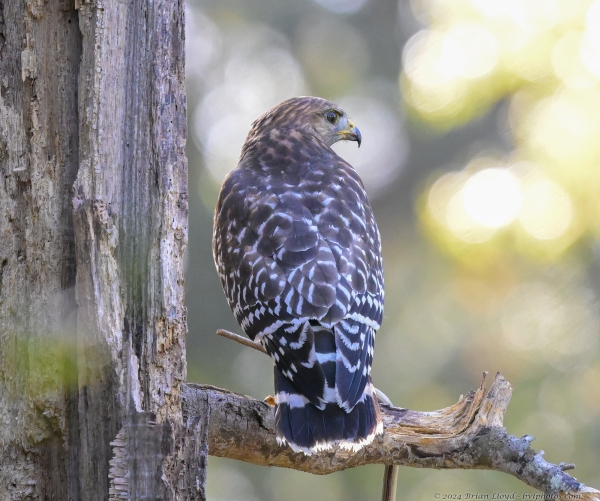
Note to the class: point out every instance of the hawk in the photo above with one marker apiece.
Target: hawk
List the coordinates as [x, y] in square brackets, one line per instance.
[298, 254]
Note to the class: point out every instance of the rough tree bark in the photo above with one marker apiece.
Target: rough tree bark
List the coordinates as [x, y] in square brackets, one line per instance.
[92, 235]
[39, 156]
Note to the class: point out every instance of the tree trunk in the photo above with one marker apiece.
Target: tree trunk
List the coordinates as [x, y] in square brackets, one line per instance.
[94, 226]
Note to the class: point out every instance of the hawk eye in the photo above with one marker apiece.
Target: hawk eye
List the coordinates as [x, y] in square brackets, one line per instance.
[332, 117]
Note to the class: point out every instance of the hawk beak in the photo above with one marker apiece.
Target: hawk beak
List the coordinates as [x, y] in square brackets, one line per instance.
[351, 134]
[355, 136]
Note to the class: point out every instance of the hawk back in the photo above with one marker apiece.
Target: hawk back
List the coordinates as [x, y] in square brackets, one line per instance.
[298, 254]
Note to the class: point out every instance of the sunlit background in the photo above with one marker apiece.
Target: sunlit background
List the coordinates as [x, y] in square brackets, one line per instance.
[481, 156]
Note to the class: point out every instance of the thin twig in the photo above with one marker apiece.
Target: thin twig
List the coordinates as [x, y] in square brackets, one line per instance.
[390, 474]
[242, 340]
[383, 397]
[390, 482]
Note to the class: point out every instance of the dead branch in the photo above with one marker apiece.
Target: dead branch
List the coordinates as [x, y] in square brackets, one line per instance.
[467, 435]
[242, 340]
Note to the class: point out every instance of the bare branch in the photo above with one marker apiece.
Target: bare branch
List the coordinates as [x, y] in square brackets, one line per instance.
[467, 435]
[390, 482]
[242, 340]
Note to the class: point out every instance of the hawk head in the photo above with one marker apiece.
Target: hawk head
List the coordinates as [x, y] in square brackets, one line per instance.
[315, 115]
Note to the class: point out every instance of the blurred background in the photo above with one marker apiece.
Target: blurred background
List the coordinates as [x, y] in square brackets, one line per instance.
[481, 156]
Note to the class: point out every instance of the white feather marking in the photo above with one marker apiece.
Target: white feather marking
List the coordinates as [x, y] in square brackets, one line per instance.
[326, 357]
[289, 296]
[293, 400]
[301, 339]
[349, 367]
[345, 291]
[330, 394]
[364, 320]
[350, 329]
[349, 344]
[312, 358]
[276, 325]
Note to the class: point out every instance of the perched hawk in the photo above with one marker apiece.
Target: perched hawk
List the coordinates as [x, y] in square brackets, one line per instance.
[298, 253]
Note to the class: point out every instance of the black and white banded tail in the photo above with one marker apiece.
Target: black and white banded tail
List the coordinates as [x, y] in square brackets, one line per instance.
[323, 391]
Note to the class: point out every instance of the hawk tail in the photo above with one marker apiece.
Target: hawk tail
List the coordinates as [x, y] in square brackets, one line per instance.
[308, 429]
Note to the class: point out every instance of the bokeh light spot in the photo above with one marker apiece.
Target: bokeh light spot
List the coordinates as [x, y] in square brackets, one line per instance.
[492, 197]
[203, 42]
[442, 192]
[433, 58]
[589, 53]
[535, 15]
[564, 129]
[567, 61]
[461, 223]
[547, 210]
[592, 19]
[469, 50]
[422, 60]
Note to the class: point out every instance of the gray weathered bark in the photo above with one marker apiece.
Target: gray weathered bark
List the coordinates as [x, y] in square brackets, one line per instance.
[94, 226]
[40, 48]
